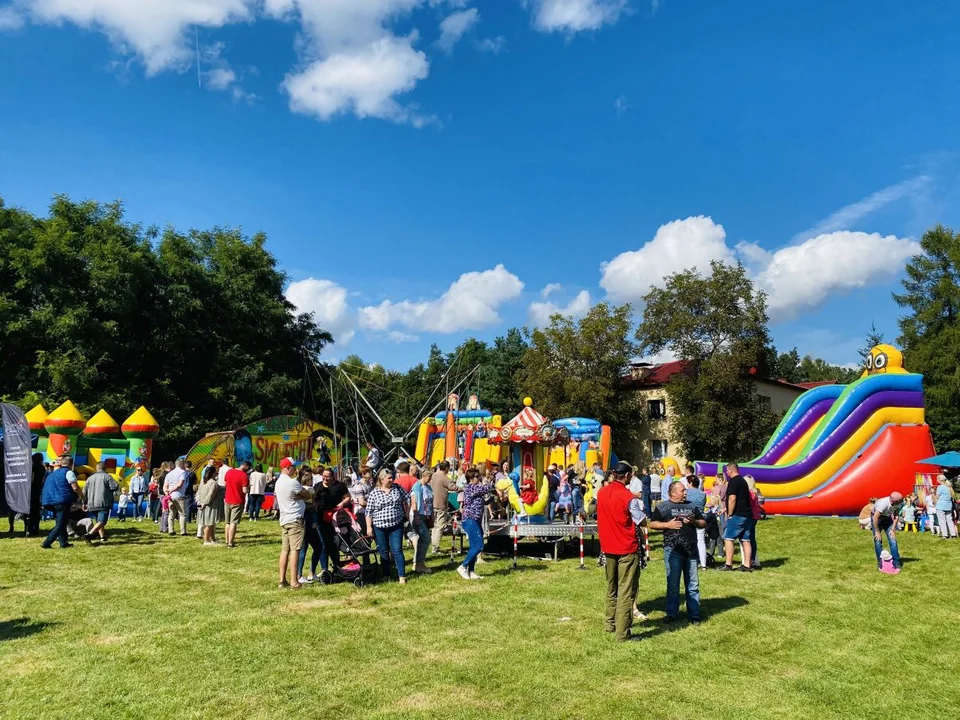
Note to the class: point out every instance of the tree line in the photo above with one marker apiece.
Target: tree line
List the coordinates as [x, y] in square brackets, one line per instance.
[195, 326]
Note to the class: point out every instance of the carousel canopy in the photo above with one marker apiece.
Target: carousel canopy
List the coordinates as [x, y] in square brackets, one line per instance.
[528, 426]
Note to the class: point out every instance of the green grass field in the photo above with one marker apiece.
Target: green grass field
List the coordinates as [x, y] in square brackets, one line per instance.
[155, 627]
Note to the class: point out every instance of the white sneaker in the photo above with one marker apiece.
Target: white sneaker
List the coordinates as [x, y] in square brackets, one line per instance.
[464, 573]
[474, 576]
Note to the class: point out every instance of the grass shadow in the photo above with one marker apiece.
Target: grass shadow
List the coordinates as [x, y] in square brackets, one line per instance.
[774, 563]
[709, 608]
[520, 568]
[21, 627]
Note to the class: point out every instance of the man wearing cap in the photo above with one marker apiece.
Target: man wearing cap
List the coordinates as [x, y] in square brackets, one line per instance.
[618, 542]
[290, 496]
[60, 489]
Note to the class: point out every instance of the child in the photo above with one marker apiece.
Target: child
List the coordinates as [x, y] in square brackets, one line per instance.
[866, 513]
[165, 512]
[909, 516]
[565, 497]
[122, 504]
[886, 564]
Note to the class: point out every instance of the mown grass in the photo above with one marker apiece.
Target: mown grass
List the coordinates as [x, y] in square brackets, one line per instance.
[150, 626]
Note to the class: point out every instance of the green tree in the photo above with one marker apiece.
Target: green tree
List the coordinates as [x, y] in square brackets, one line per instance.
[108, 314]
[576, 368]
[718, 324]
[930, 333]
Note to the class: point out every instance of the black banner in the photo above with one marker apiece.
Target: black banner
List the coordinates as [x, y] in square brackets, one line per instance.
[16, 458]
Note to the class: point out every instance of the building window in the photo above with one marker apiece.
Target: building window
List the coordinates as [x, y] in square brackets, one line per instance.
[764, 402]
[657, 409]
[658, 448]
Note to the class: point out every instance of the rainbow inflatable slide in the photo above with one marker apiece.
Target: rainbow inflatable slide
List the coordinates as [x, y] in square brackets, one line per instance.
[840, 445]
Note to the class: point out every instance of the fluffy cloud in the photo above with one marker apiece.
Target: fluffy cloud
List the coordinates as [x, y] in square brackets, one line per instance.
[328, 303]
[470, 303]
[796, 277]
[549, 289]
[492, 45]
[455, 26]
[362, 80]
[678, 245]
[155, 30]
[572, 16]
[541, 312]
[802, 276]
[354, 62]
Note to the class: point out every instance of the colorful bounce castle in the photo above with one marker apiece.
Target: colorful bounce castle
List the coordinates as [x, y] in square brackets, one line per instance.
[529, 442]
[839, 445]
[121, 448]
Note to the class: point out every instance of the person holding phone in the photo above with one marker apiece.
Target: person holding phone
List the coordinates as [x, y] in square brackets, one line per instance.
[679, 521]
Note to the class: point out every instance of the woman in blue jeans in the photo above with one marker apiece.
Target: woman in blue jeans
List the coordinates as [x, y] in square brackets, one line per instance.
[387, 509]
[475, 496]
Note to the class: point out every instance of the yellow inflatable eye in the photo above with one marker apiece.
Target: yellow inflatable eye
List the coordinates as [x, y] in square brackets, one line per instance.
[880, 362]
[869, 362]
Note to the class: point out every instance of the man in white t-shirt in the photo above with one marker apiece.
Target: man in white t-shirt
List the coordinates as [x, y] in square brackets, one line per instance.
[373, 458]
[655, 481]
[290, 496]
[883, 520]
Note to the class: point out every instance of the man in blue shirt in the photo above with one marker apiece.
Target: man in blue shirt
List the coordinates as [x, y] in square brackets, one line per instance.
[60, 489]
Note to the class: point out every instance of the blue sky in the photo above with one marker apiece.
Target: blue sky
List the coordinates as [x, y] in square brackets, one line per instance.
[427, 170]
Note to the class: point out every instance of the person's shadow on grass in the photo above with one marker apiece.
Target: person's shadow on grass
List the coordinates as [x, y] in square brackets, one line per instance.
[21, 627]
[710, 607]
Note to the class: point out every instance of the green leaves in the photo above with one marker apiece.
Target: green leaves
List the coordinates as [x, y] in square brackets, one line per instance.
[929, 334]
[576, 368]
[195, 326]
[717, 323]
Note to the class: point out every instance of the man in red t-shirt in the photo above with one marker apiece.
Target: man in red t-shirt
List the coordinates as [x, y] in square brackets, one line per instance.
[236, 484]
[618, 541]
[404, 478]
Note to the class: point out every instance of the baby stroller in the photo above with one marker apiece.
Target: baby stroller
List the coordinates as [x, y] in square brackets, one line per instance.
[358, 567]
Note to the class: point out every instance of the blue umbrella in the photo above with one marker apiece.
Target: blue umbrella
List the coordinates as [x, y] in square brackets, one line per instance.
[948, 459]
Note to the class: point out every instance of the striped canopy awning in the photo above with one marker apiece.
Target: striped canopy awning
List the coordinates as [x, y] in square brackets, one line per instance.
[528, 426]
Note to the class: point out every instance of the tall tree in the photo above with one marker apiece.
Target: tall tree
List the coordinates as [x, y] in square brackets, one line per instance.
[576, 368]
[108, 314]
[930, 332]
[718, 324]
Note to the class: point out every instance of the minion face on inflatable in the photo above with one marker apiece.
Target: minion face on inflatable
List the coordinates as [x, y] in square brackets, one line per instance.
[884, 359]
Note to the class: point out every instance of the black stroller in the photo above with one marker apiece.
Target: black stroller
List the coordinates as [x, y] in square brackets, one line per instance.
[360, 565]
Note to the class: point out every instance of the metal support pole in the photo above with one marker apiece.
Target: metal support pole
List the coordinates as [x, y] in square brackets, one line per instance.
[516, 538]
[582, 566]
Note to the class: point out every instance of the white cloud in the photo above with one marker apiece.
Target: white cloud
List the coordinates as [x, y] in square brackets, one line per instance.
[796, 277]
[846, 216]
[402, 337]
[492, 45]
[541, 312]
[455, 26]
[620, 105]
[154, 30]
[10, 18]
[678, 245]
[470, 303]
[802, 276]
[328, 302]
[221, 78]
[549, 289]
[363, 81]
[572, 16]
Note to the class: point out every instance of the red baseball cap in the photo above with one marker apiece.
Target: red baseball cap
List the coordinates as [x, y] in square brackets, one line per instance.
[287, 462]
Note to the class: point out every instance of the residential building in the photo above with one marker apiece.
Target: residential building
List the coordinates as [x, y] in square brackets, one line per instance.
[656, 437]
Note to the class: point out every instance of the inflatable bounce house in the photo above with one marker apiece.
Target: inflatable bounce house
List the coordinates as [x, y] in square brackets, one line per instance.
[459, 435]
[839, 445]
[121, 448]
[266, 442]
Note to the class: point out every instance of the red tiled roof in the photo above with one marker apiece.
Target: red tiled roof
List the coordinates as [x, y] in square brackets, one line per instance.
[655, 375]
[811, 385]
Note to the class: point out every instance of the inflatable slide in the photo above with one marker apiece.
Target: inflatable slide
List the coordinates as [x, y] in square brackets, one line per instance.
[839, 445]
